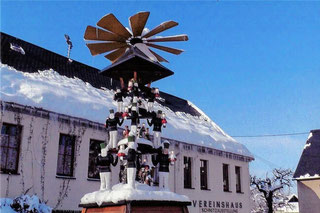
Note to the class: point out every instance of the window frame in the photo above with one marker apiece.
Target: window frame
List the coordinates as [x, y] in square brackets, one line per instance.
[95, 166]
[187, 173]
[225, 177]
[204, 171]
[18, 137]
[238, 179]
[63, 174]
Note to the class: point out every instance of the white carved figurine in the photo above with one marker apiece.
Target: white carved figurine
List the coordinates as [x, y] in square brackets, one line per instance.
[118, 97]
[163, 159]
[104, 162]
[112, 123]
[131, 160]
[158, 121]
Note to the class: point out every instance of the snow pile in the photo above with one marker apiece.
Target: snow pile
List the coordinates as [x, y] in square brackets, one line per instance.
[23, 203]
[5, 205]
[122, 192]
[310, 135]
[307, 145]
[50, 90]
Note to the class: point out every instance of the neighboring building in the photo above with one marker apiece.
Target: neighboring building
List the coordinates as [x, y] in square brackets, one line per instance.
[291, 205]
[307, 175]
[52, 125]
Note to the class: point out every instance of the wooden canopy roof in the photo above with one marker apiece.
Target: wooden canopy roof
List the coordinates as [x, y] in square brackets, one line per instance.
[136, 61]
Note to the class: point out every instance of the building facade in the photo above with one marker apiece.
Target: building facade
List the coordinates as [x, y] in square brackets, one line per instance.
[307, 174]
[39, 159]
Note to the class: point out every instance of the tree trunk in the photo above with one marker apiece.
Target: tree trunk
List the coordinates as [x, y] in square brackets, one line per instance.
[269, 203]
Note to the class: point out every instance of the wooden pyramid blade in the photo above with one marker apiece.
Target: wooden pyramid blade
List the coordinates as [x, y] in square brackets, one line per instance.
[169, 38]
[112, 24]
[98, 48]
[113, 56]
[96, 34]
[137, 22]
[167, 49]
[160, 59]
[162, 27]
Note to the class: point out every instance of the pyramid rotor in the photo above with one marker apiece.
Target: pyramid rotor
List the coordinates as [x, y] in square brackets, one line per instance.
[111, 37]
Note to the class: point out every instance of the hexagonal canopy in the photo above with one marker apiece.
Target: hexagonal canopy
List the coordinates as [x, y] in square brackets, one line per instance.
[135, 60]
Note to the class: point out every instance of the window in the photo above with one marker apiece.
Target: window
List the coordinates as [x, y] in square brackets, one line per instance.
[225, 171]
[201, 149]
[10, 145]
[94, 150]
[204, 174]
[66, 155]
[187, 147]
[187, 172]
[238, 179]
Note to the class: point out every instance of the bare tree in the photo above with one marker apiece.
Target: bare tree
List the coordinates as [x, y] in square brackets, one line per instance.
[269, 193]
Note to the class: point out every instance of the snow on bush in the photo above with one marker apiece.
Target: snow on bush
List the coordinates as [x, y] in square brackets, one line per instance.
[24, 204]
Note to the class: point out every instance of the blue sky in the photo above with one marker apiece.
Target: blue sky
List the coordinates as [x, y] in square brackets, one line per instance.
[253, 67]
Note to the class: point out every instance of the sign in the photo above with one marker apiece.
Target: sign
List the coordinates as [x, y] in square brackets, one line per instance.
[217, 206]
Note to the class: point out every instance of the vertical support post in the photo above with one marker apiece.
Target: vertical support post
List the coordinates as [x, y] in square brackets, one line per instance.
[122, 83]
[135, 75]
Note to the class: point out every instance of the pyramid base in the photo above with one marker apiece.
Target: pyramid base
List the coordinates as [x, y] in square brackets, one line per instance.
[141, 206]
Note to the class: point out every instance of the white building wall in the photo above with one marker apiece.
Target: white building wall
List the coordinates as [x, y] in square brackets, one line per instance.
[309, 195]
[215, 182]
[43, 135]
[38, 165]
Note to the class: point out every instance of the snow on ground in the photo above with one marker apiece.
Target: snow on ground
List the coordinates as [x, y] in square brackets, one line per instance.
[72, 96]
[121, 192]
[23, 203]
[5, 205]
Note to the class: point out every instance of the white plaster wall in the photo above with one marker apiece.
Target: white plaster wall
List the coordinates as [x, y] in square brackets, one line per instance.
[56, 188]
[309, 195]
[215, 181]
[70, 189]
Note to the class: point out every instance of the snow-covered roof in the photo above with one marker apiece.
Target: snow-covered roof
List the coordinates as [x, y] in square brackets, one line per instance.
[292, 198]
[51, 90]
[309, 164]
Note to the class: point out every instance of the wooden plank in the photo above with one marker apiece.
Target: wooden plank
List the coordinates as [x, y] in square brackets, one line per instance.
[111, 23]
[160, 28]
[109, 209]
[137, 22]
[167, 49]
[150, 209]
[169, 38]
[115, 55]
[185, 209]
[98, 48]
[96, 34]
